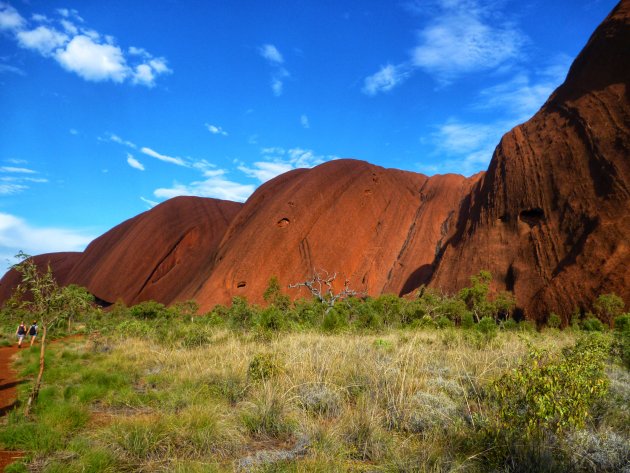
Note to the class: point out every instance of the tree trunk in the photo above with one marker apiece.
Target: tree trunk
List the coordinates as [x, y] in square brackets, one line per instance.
[34, 393]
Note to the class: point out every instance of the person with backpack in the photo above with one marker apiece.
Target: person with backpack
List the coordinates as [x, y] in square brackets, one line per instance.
[21, 333]
[33, 332]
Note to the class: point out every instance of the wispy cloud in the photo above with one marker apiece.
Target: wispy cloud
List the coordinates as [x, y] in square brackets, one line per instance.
[117, 139]
[83, 51]
[217, 186]
[150, 203]
[271, 53]
[304, 121]
[463, 147]
[16, 170]
[386, 78]
[216, 130]
[10, 19]
[462, 36]
[14, 179]
[276, 161]
[279, 73]
[134, 163]
[18, 235]
[11, 69]
[163, 157]
[522, 95]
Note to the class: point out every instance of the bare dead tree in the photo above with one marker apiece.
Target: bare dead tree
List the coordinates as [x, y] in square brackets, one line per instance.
[321, 286]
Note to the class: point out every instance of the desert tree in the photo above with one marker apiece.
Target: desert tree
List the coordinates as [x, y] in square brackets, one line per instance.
[607, 307]
[39, 294]
[322, 286]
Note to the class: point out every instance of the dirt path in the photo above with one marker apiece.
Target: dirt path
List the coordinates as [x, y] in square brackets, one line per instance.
[8, 395]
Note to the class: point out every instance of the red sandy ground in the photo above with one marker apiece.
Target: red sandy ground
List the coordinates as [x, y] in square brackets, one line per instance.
[8, 396]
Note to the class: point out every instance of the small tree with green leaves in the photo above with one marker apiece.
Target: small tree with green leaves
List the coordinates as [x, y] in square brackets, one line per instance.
[608, 306]
[476, 296]
[39, 293]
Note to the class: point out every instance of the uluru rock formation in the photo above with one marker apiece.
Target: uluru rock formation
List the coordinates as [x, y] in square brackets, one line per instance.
[162, 254]
[549, 218]
[60, 263]
[371, 225]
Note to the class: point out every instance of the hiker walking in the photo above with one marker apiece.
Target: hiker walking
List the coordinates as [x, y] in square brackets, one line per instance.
[21, 333]
[33, 332]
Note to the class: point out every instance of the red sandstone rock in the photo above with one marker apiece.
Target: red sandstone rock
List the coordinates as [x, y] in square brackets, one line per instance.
[163, 254]
[551, 217]
[364, 222]
[60, 263]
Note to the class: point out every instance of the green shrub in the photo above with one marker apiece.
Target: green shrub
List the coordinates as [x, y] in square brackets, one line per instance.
[487, 326]
[591, 324]
[241, 313]
[150, 310]
[509, 324]
[442, 321]
[467, 320]
[622, 322]
[554, 320]
[263, 366]
[271, 318]
[552, 392]
[622, 338]
[335, 320]
[608, 306]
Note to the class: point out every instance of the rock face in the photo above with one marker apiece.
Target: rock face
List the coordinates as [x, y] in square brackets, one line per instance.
[162, 254]
[550, 218]
[369, 224]
[60, 264]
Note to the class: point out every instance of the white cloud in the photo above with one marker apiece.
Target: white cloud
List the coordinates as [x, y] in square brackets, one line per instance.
[150, 203]
[278, 161]
[10, 19]
[16, 170]
[69, 27]
[277, 86]
[163, 157]
[117, 139]
[386, 79]
[461, 37]
[217, 187]
[216, 130]
[9, 189]
[138, 51]
[40, 18]
[70, 13]
[263, 171]
[93, 61]
[304, 121]
[273, 150]
[459, 43]
[11, 69]
[143, 74]
[464, 147]
[134, 163]
[271, 53]
[16, 234]
[86, 52]
[73, 131]
[42, 39]
[14, 180]
[521, 96]
[275, 59]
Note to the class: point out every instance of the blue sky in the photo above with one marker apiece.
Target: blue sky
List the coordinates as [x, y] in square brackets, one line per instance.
[108, 108]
